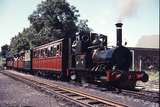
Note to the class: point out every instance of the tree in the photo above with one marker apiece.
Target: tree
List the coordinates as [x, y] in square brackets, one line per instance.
[55, 19]
[5, 50]
[83, 26]
[52, 20]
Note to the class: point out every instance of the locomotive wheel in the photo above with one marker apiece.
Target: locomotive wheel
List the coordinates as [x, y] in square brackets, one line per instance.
[145, 78]
[37, 73]
[84, 82]
[73, 77]
[79, 78]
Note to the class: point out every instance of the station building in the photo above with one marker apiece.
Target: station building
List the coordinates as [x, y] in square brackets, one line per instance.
[145, 58]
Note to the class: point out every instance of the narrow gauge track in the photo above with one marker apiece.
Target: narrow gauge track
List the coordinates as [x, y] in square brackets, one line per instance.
[144, 95]
[139, 94]
[77, 97]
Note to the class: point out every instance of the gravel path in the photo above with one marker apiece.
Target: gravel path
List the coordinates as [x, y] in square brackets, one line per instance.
[16, 94]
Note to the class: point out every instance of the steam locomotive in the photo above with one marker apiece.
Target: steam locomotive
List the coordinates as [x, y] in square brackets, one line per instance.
[87, 57]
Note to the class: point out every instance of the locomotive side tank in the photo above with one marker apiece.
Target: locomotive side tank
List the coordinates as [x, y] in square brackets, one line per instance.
[119, 56]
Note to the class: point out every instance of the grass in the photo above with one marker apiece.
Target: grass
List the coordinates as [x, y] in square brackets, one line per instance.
[153, 75]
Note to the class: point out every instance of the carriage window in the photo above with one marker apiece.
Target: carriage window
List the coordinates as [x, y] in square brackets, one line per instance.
[43, 53]
[34, 54]
[38, 53]
[52, 48]
[57, 47]
[58, 52]
[50, 51]
[53, 51]
[46, 52]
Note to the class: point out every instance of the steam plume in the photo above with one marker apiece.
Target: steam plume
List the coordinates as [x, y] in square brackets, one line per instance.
[127, 8]
[148, 41]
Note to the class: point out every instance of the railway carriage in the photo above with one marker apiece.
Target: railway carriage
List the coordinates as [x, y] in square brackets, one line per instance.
[9, 62]
[20, 61]
[15, 62]
[28, 60]
[51, 58]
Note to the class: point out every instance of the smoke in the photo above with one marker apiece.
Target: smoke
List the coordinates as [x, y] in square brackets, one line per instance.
[127, 8]
[148, 41]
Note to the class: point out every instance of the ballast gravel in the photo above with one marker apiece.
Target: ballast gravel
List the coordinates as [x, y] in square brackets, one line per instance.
[130, 101]
[17, 94]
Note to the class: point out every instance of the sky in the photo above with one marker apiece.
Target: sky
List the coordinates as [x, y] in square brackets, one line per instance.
[139, 19]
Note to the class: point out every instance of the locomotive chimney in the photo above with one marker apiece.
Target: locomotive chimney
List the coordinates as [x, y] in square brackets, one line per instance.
[119, 34]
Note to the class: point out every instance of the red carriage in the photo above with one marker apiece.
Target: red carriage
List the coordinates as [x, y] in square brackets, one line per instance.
[51, 58]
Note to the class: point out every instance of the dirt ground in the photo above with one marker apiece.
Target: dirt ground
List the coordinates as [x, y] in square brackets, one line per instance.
[153, 83]
[16, 94]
